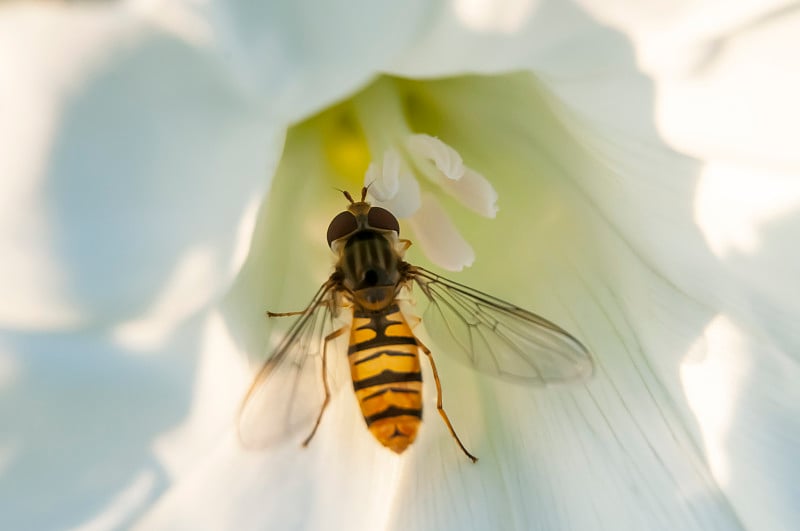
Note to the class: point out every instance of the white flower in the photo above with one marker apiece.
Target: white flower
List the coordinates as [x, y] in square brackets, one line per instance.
[139, 254]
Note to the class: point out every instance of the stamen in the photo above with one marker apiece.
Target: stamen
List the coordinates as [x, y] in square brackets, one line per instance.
[445, 159]
[385, 178]
[438, 237]
[400, 157]
[466, 185]
[475, 192]
[394, 186]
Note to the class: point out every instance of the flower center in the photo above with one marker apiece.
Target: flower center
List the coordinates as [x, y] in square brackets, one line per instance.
[409, 171]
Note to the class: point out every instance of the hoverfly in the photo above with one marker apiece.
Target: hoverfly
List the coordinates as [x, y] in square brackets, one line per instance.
[487, 333]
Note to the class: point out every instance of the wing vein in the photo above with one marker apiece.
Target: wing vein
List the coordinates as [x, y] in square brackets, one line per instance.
[497, 337]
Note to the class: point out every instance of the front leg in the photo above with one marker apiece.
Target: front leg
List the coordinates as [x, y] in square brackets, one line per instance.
[341, 300]
[285, 314]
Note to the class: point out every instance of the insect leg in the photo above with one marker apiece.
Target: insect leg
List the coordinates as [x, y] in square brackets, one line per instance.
[439, 406]
[301, 312]
[330, 337]
[285, 314]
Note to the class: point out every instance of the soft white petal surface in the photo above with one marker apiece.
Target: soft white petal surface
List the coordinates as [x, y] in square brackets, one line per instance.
[723, 90]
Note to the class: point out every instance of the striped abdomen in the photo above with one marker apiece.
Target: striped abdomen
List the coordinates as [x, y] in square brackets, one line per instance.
[384, 363]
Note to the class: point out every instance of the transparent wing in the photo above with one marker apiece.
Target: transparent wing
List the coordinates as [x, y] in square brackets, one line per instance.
[287, 393]
[497, 337]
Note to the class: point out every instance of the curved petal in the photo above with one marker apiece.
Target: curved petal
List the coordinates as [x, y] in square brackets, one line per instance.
[154, 122]
[718, 78]
[298, 58]
[668, 243]
[571, 264]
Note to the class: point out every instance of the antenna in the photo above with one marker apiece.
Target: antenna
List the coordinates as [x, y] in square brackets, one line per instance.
[347, 195]
[365, 190]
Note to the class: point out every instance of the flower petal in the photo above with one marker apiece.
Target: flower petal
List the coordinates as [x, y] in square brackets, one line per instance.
[596, 283]
[298, 59]
[99, 157]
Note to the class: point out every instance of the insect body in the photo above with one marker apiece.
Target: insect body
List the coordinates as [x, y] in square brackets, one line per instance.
[487, 333]
[386, 375]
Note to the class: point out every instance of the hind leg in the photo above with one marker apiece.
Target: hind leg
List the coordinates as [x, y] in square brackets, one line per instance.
[439, 406]
[330, 337]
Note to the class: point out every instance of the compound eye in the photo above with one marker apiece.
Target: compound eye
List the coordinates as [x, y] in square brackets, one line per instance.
[343, 224]
[380, 218]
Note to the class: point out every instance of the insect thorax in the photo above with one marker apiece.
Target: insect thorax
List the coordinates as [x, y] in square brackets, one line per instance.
[369, 266]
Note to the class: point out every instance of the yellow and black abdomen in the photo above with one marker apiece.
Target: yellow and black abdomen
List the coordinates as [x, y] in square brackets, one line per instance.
[384, 363]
